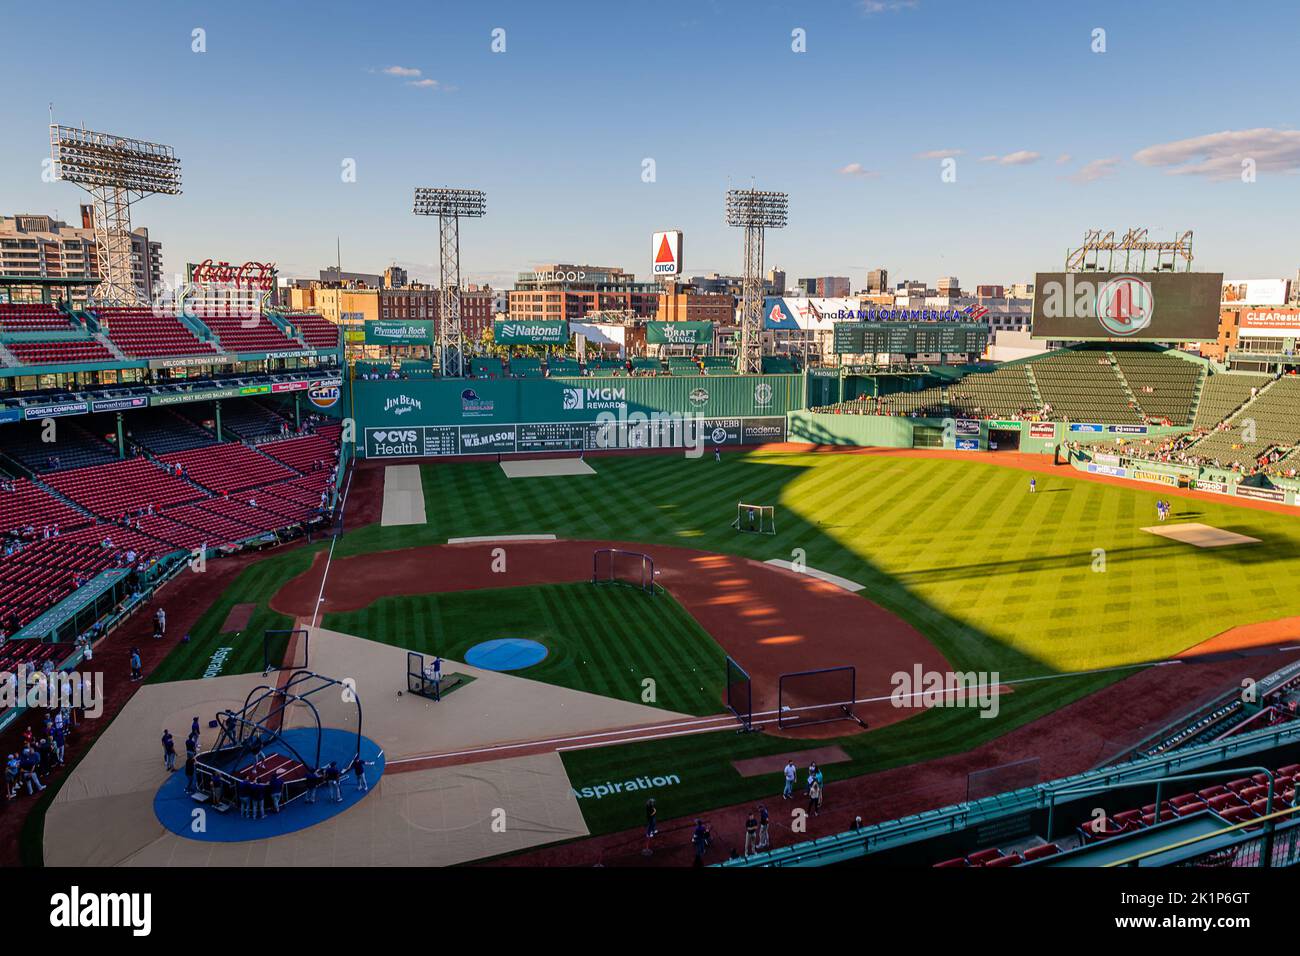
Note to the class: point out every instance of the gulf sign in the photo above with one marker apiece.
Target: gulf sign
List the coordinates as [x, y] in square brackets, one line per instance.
[1143, 306]
[324, 396]
[666, 253]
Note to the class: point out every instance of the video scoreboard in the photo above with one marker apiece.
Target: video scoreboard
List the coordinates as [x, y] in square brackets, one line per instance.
[910, 338]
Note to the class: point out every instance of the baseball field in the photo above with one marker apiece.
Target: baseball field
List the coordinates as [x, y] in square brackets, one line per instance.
[1059, 593]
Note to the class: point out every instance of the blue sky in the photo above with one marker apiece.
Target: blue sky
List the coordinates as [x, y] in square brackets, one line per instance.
[556, 128]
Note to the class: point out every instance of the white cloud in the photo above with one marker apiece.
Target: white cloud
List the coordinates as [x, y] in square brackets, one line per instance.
[1096, 169]
[401, 71]
[1063, 159]
[1219, 155]
[857, 169]
[426, 84]
[870, 7]
[1021, 157]
[939, 153]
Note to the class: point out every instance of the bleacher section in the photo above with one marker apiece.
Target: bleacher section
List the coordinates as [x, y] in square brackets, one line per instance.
[228, 467]
[162, 430]
[43, 573]
[485, 368]
[1082, 386]
[523, 367]
[33, 318]
[1164, 385]
[1223, 394]
[1276, 417]
[250, 421]
[62, 352]
[139, 333]
[1002, 393]
[29, 505]
[305, 454]
[558, 365]
[316, 330]
[124, 486]
[251, 334]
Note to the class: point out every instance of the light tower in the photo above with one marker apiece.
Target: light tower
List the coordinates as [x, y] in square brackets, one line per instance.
[116, 171]
[449, 205]
[754, 211]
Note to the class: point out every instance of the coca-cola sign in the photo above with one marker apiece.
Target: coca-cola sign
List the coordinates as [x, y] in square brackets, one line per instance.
[254, 275]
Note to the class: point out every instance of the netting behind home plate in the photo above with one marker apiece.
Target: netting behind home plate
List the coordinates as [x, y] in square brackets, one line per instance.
[815, 697]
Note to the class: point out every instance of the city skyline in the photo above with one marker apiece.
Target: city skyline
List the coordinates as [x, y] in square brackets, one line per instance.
[860, 129]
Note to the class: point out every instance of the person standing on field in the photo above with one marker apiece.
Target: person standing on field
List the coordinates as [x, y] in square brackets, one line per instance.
[791, 771]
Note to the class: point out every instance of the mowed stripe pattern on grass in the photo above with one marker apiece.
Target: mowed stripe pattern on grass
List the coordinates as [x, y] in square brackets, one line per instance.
[607, 639]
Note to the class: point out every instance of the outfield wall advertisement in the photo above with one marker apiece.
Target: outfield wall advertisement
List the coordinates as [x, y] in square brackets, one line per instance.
[1140, 306]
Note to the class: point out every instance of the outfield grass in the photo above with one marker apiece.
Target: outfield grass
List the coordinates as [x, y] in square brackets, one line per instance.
[999, 580]
[605, 640]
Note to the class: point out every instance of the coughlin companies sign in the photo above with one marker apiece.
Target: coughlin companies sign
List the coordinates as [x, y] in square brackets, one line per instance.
[1142, 306]
[406, 332]
[511, 332]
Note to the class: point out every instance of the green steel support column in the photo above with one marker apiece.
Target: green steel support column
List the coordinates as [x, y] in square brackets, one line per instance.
[217, 407]
[297, 410]
[121, 439]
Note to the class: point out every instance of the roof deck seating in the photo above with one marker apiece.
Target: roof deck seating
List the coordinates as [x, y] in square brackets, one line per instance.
[33, 317]
[521, 367]
[777, 364]
[643, 363]
[228, 467]
[163, 430]
[559, 365]
[73, 446]
[485, 368]
[1224, 393]
[317, 331]
[1164, 385]
[308, 453]
[123, 486]
[140, 333]
[29, 504]
[1082, 386]
[60, 352]
[254, 333]
[725, 365]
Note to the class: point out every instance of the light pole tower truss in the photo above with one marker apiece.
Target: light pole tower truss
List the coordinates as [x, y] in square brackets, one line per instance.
[754, 211]
[117, 172]
[449, 205]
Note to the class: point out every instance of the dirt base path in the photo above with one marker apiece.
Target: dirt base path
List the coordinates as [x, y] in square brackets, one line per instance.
[770, 620]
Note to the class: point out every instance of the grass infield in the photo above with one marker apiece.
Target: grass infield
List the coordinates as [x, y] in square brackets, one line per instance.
[605, 640]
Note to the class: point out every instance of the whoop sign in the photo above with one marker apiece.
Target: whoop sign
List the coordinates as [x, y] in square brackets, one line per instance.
[1154, 306]
[666, 250]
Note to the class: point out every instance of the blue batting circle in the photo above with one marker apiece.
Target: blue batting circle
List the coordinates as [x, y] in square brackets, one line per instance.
[506, 654]
[174, 808]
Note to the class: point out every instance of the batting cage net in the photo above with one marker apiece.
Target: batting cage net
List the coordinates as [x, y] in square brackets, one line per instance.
[755, 519]
[284, 650]
[631, 568]
[740, 694]
[816, 697]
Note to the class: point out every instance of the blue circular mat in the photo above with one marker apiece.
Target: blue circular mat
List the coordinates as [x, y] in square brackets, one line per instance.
[176, 810]
[505, 654]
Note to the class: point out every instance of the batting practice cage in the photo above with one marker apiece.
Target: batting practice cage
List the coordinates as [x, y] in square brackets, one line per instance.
[306, 723]
[755, 519]
[285, 650]
[632, 568]
[817, 697]
[740, 695]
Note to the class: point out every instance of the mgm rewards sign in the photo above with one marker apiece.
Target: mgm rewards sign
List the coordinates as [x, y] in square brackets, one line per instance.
[1141, 306]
